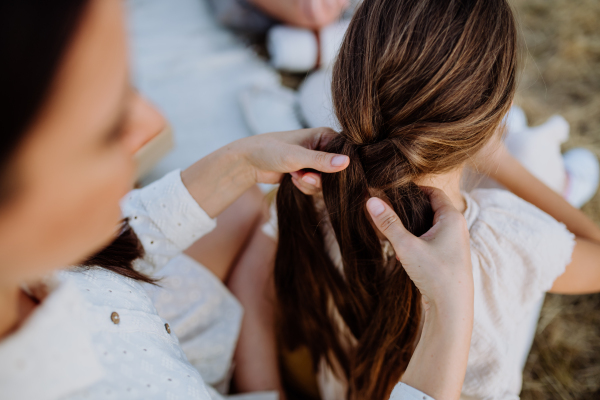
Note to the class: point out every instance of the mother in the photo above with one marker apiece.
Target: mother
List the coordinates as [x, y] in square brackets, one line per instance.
[71, 126]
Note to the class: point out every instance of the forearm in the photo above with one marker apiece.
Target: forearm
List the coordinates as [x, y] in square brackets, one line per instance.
[286, 11]
[512, 175]
[219, 179]
[438, 365]
[256, 352]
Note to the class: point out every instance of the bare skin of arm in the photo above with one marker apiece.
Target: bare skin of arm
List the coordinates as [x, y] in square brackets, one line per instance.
[310, 14]
[583, 274]
[252, 283]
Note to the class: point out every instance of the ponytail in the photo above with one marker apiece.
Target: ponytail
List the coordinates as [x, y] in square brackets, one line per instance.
[376, 299]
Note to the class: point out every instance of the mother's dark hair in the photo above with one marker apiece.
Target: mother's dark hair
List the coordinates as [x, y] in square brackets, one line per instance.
[34, 37]
[419, 86]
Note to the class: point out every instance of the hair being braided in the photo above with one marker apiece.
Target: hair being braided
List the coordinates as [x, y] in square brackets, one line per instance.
[419, 86]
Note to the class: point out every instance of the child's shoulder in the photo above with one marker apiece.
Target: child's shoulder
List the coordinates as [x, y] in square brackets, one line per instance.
[499, 208]
[512, 239]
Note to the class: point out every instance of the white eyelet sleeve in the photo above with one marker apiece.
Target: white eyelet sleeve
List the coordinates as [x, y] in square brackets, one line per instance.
[405, 392]
[166, 219]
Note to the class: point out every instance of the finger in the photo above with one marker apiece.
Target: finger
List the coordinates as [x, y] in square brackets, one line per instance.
[444, 211]
[315, 138]
[440, 202]
[312, 179]
[312, 138]
[318, 160]
[325, 136]
[389, 224]
[304, 187]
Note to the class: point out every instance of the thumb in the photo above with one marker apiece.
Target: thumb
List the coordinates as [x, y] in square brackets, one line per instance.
[388, 223]
[321, 161]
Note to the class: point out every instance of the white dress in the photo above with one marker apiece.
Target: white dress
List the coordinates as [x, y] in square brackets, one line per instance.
[517, 253]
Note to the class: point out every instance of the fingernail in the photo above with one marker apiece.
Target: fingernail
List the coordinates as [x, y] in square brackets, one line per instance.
[375, 207]
[338, 161]
[310, 180]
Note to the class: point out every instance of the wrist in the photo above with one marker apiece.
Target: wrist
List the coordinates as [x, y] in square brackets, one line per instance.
[440, 359]
[454, 312]
[218, 179]
[239, 155]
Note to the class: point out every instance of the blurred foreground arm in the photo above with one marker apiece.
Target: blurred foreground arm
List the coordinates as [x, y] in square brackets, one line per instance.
[439, 263]
[311, 14]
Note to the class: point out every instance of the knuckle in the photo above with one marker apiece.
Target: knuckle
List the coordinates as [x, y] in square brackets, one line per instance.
[456, 218]
[387, 222]
[322, 158]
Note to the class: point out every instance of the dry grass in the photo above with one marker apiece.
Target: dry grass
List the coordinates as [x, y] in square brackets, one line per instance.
[561, 74]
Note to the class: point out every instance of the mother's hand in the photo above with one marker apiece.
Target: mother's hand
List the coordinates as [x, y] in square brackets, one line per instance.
[272, 154]
[218, 179]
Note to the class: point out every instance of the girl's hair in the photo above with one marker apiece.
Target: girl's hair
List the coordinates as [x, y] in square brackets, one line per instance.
[34, 36]
[419, 86]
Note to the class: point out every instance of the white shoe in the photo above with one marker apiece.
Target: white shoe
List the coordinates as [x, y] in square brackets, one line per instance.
[539, 148]
[583, 173]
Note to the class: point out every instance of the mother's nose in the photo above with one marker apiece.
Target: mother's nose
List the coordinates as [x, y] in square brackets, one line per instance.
[145, 122]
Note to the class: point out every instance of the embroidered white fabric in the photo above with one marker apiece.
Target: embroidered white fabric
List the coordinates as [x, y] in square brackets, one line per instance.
[73, 346]
[517, 252]
[405, 392]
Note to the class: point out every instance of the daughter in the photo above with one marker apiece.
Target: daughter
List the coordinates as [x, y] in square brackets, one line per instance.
[420, 89]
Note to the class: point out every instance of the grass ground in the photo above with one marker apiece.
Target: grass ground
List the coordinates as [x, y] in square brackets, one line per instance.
[561, 75]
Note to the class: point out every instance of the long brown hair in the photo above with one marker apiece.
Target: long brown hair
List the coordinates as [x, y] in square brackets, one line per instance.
[419, 86]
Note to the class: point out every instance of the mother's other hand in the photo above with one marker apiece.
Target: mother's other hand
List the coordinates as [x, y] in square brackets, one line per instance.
[438, 262]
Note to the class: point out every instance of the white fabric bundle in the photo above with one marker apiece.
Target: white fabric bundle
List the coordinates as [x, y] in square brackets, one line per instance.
[299, 50]
[331, 38]
[292, 49]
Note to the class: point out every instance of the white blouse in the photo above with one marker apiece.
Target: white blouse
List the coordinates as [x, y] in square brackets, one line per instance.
[99, 335]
